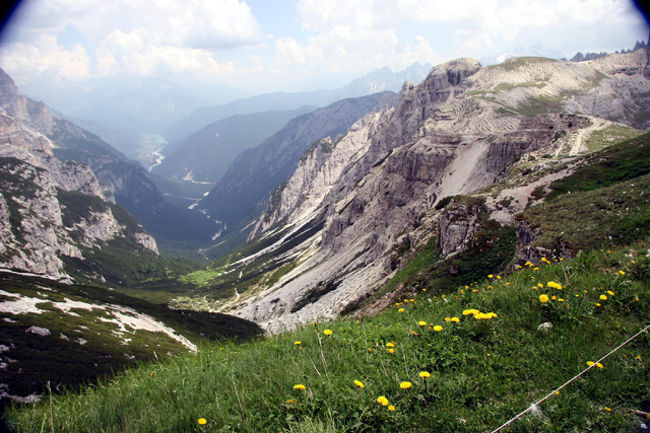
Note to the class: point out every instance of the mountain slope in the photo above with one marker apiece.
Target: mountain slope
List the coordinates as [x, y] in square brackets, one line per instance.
[69, 334]
[205, 155]
[123, 180]
[375, 191]
[428, 364]
[257, 171]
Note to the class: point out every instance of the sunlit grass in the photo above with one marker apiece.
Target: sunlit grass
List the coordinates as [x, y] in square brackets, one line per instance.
[481, 372]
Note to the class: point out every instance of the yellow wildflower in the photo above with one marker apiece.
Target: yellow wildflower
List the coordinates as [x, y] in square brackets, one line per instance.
[391, 408]
[608, 409]
[610, 293]
[382, 400]
[447, 319]
[543, 299]
[554, 298]
[621, 272]
[598, 304]
[599, 365]
[299, 387]
[603, 297]
[202, 421]
[391, 350]
[401, 310]
[422, 323]
[424, 374]
[437, 328]
[490, 276]
[327, 332]
[297, 343]
[498, 277]
[390, 344]
[359, 384]
[455, 319]
[554, 285]
[470, 311]
[405, 385]
[291, 401]
[590, 363]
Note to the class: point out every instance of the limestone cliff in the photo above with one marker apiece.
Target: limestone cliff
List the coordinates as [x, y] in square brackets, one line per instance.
[51, 209]
[459, 130]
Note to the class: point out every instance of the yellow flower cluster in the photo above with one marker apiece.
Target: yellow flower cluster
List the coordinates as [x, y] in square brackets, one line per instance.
[359, 384]
[327, 332]
[299, 387]
[405, 385]
[452, 319]
[478, 315]
[554, 285]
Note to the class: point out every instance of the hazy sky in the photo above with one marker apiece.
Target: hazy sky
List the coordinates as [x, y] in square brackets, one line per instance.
[267, 45]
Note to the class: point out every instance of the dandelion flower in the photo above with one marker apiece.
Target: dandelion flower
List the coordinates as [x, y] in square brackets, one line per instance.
[437, 328]
[554, 285]
[382, 400]
[490, 276]
[390, 344]
[405, 385]
[327, 332]
[540, 285]
[297, 343]
[424, 374]
[554, 298]
[470, 312]
[590, 363]
[447, 319]
[543, 299]
[299, 387]
[202, 421]
[621, 272]
[401, 310]
[610, 293]
[599, 365]
[455, 319]
[390, 350]
[359, 384]
[603, 297]
[598, 304]
[391, 408]
[291, 401]
[422, 323]
[608, 409]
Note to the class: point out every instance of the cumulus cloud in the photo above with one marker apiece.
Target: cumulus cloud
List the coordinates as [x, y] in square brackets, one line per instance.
[45, 57]
[128, 36]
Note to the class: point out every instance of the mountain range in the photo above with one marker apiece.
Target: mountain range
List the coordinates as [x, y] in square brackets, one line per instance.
[324, 216]
[354, 206]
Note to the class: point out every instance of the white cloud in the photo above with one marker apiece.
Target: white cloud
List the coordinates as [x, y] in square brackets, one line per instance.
[135, 54]
[45, 57]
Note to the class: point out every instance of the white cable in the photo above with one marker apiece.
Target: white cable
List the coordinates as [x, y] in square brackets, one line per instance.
[534, 405]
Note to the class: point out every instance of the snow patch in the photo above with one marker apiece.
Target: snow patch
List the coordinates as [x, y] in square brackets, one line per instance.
[43, 332]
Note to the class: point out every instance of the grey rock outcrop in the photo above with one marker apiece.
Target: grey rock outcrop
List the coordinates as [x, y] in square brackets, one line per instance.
[43, 220]
[459, 130]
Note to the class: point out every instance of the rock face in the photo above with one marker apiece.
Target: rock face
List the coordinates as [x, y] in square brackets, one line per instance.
[51, 209]
[459, 130]
[257, 171]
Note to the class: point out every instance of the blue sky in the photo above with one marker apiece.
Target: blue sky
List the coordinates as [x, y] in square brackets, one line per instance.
[265, 45]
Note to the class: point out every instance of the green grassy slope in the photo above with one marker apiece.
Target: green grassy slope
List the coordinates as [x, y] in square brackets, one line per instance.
[482, 371]
[83, 343]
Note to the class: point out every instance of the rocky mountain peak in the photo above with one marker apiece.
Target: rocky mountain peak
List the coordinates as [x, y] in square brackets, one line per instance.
[8, 88]
[451, 73]
[461, 129]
